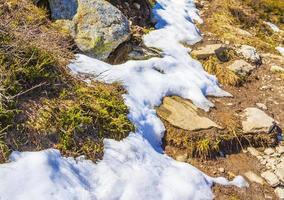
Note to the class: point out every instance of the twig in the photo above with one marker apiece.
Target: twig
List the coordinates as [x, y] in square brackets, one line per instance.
[28, 90]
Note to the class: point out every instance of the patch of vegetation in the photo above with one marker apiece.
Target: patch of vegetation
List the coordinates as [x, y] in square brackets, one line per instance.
[208, 144]
[82, 118]
[41, 105]
[241, 22]
[225, 76]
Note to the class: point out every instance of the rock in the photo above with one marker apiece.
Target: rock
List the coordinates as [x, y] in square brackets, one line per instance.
[182, 158]
[140, 53]
[271, 163]
[261, 106]
[206, 51]
[221, 169]
[250, 53]
[242, 32]
[270, 178]
[255, 121]
[100, 28]
[63, 9]
[280, 149]
[269, 151]
[241, 67]
[183, 114]
[279, 191]
[277, 69]
[280, 173]
[253, 151]
[253, 177]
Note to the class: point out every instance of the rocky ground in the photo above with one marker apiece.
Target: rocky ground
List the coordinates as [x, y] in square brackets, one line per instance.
[221, 142]
[233, 138]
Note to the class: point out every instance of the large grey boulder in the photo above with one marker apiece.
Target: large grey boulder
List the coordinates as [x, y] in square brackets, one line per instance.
[100, 28]
[97, 26]
[63, 9]
[183, 114]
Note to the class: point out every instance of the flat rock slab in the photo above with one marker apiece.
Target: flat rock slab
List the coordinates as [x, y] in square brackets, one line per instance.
[183, 114]
[253, 177]
[206, 51]
[255, 121]
[241, 67]
[271, 178]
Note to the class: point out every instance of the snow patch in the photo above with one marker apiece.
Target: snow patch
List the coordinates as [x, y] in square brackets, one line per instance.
[281, 50]
[272, 26]
[136, 167]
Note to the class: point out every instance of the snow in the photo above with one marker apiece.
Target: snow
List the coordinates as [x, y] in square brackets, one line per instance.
[272, 26]
[281, 50]
[136, 167]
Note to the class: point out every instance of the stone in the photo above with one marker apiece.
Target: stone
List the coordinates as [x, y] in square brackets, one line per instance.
[59, 9]
[253, 151]
[255, 120]
[242, 32]
[280, 149]
[206, 51]
[100, 28]
[182, 158]
[140, 53]
[249, 53]
[270, 178]
[279, 191]
[253, 177]
[63, 9]
[277, 69]
[241, 67]
[221, 169]
[271, 163]
[261, 106]
[183, 114]
[269, 151]
[279, 171]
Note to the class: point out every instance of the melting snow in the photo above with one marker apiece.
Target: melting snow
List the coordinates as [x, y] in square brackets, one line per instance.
[272, 26]
[136, 167]
[281, 50]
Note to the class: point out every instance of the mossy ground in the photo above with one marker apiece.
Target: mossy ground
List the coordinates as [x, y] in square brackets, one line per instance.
[41, 105]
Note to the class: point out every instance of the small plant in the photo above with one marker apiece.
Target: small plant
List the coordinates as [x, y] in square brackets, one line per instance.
[224, 75]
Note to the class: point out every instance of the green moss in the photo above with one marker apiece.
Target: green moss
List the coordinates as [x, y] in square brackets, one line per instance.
[83, 117]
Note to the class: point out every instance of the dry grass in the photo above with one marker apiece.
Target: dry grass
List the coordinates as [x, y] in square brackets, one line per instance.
[225, 76]
[226, 17]
[41, 105]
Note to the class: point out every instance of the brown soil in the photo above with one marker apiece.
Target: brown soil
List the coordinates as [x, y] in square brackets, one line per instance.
[236, 164]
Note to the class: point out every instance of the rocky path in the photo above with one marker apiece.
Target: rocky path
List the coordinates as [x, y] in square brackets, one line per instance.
[255, 104]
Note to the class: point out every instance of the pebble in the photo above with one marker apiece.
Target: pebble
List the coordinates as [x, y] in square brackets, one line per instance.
[279, 191]
[261, 106]
[270, 178]
[253, 151]
[221, 169]
[253, 177]
[269, 151]
[182, 158]
[280, 149]
[280, 173]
